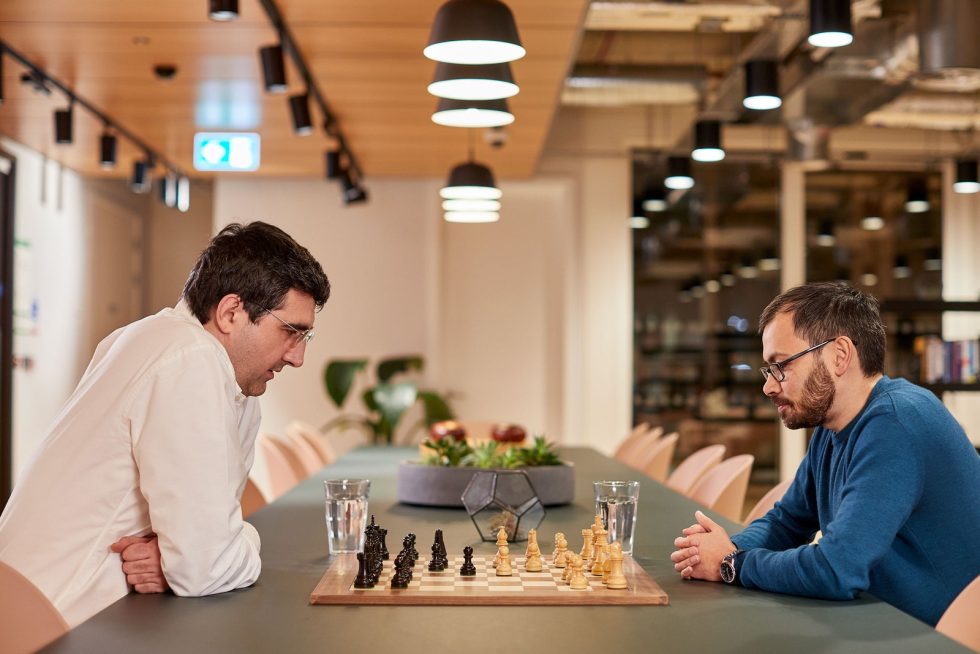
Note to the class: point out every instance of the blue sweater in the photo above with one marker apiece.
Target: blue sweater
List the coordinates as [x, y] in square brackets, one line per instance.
[897, 496]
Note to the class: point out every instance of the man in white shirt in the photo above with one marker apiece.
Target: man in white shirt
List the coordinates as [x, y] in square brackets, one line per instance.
[138, 481]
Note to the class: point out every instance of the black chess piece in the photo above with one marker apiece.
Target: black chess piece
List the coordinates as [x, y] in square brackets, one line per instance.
[362, 580]
[411, 548]
[442, 546]
[385, 555]
[435, 563]
[467, 569]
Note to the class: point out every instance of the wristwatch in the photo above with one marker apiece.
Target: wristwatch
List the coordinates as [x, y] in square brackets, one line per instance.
[728, 566]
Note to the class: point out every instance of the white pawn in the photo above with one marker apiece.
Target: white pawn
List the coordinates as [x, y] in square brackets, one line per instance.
[616, 579]
[503, 567]
[532, 562]
[561, 552]
[578, 580]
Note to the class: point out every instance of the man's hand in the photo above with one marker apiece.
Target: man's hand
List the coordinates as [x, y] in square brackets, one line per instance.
[141, 563]
[700, 549]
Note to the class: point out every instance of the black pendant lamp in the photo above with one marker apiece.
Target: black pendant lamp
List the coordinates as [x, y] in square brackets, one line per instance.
[761, 85]
[967, 180]
[470, 181]
[655, 200]
[474, 32]
[830, 23]
[480, 82]
[917, 200]
[273, 68]
[707, 141]
[472, 113]
[222, 10]
[678, 173]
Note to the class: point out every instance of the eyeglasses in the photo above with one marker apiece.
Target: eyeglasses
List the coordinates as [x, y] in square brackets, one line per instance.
[299, 335]
[776, 368]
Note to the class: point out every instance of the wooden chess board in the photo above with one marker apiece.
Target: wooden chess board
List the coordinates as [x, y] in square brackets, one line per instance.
[448, 588]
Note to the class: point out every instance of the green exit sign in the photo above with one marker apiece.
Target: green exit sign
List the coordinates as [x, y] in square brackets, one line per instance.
[234, 151]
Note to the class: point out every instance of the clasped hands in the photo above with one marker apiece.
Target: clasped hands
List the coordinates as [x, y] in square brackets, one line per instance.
[141, 563]
[700, 549]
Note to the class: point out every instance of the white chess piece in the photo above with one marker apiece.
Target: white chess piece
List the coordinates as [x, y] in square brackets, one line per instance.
[578, 580]
[501, 541]
[503, 567]
[616, 579]
[532, 561]
[561, 553]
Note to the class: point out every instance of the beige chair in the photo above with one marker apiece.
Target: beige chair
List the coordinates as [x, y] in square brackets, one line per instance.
[960, 621]
[722, 489]
[627, 443]
[317, 441]
[636, 456]
[292, 457]
[308, 457]
[689, 471]
[28, 621]
[252, 498]
[657, 464]
[281, 475]
[768, 501]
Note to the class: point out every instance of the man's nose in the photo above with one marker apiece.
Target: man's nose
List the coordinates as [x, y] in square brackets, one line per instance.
[294, 355]
[771, 386]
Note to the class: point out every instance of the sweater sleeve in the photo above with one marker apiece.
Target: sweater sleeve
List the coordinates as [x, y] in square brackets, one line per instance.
[791, 522]
[191, 466]
[884, 479]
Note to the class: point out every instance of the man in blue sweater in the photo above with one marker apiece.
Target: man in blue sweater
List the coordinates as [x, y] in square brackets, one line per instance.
[889, 477]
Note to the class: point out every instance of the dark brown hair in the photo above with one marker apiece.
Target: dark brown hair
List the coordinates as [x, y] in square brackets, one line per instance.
[826, 310]
[258, 262]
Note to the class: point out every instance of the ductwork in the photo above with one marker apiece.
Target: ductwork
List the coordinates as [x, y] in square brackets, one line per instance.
[949, 46]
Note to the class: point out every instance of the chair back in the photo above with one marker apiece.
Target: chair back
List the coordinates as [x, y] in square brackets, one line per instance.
[28, 621]
[690, 470]
[624, 445]
[641, 449]
[252, 498]
[281, 475]
[657, 463]
[768, 501]
[289, 453]
[317, 441]
[960, 621]
[722, 489]
[308, 457]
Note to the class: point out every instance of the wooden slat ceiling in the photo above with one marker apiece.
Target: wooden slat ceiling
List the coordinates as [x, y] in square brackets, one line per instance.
[366, 56]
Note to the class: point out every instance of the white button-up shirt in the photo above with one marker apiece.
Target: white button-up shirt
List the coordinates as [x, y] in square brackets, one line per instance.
[156, 437]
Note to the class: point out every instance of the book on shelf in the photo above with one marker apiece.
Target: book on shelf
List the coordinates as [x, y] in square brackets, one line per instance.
[947, 362]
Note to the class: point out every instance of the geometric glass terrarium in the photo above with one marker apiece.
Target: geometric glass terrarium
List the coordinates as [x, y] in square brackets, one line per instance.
[503, 498]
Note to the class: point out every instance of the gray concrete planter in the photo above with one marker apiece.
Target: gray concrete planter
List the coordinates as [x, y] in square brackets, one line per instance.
[437, 486]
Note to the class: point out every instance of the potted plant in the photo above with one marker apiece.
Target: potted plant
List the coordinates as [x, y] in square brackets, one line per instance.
[386, 401]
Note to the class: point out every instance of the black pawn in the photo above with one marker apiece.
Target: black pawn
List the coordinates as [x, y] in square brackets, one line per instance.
[435, 563]
[362, 580]
[467, 569]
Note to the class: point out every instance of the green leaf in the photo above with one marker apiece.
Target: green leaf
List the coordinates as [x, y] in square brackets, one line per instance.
[436, 408]
[392, 401]
[388, 368]
[338, 377]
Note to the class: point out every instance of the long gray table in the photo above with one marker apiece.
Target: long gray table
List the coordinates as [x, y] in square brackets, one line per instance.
[274, 615]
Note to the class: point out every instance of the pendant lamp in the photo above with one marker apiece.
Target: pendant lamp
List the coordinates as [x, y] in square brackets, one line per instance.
[470, 181]
[707, 141]
[480, 82]
[474, 32]
[472, 113]
[761, 85]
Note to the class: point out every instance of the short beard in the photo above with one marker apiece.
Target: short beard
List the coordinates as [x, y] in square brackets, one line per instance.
[818, 395]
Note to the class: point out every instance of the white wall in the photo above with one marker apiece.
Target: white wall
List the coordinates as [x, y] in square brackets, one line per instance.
[77, 265]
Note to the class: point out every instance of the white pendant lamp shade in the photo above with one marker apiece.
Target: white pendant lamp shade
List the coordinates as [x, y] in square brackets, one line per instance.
[474, 32]
[471, 216]
[472, 113]
[470, 205]
[761, 85]
[678, 173]
[707, 141]
[872, 223]
[482, 82]
[967, 180]
[830, 23]
[470, 181]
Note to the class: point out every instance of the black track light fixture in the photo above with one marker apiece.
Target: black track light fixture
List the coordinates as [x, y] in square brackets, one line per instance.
[352, 191]
[299, 108]
[222, 10]
[140, 181]
[273, 68]
[830, 23]
[107, 150]
[63, 125]
[333, 166]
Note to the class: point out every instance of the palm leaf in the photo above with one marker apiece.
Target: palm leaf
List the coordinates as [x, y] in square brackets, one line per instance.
[436, 408]
[338, 377]
[388, 368]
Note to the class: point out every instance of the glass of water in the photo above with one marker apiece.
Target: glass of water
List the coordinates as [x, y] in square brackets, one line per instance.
[616, 501]
[347, 513]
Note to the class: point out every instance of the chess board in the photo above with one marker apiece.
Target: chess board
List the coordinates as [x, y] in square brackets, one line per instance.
[447, 587]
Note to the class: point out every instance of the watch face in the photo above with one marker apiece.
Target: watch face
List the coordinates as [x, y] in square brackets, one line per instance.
[727, 571]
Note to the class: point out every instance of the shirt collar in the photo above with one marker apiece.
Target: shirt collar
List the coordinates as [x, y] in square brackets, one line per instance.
[183, 310]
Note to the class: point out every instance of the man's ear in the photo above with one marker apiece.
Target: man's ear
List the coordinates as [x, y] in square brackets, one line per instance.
[845, 355]
[229, 313]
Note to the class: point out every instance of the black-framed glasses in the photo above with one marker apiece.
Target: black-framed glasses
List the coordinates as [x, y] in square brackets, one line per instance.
[777, 368]
[299, 335]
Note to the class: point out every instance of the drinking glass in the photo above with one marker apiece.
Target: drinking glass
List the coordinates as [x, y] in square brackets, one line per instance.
[616, 502]
[347, 513]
